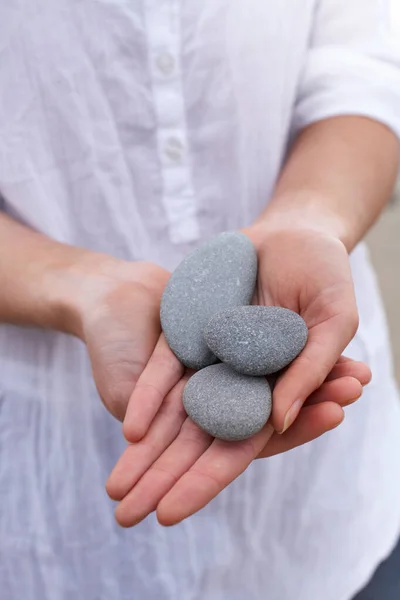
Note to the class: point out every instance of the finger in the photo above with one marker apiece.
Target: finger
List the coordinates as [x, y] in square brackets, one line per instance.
[312, 422]
[342, 391]
[191, 443]
[306, 374]
[344, 359]
[211, 473]
[161, 373]
[137, 458]
[179, 457]
[345, 367]
[351, 368]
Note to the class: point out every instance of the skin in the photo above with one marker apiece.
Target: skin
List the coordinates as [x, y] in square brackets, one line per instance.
[339, 176]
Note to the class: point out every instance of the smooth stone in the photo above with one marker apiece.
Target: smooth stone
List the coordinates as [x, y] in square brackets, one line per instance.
[256, 340]
[226, 404]
[220, 274]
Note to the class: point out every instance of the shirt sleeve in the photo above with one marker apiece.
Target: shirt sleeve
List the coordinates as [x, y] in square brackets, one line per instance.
[353, 64]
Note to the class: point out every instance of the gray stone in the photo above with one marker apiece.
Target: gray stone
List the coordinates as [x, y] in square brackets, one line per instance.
[220, 274]
[226, 404]
[256, 340]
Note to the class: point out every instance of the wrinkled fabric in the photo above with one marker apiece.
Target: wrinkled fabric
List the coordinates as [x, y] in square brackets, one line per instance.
[141, 128]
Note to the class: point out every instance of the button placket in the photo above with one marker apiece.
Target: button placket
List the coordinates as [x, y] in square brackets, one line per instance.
[174, 149]
[163, 29]
[165, 63]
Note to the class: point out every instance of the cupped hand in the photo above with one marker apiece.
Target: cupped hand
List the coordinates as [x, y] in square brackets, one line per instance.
[308, 272]
[176, 467]
[121, 326]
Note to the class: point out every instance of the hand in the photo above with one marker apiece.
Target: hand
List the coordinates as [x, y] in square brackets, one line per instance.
[112, 305]
[121, 326]
[309, 273]
[179, 468]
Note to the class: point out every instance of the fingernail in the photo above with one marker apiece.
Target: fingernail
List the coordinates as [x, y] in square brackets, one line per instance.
[291, 415]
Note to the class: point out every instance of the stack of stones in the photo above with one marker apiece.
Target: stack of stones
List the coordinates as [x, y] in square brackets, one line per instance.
[211, 326]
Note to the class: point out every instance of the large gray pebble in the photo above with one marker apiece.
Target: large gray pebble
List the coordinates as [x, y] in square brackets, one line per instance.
[227, 405]
[220, 274]
[257, 340]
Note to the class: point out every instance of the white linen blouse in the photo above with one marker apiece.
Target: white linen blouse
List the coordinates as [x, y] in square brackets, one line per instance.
[141, 128]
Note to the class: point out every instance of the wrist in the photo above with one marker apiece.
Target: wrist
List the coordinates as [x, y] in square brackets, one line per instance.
[82, 287]
[70, 284]
[304, 211]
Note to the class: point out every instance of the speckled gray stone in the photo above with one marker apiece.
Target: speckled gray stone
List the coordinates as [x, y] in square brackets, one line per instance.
[256, 340]
[226, 404]
[220, 274]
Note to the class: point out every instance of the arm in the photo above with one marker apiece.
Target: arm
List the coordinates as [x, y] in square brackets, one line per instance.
[339, 176]
[341, 169]
[112, 305]
[38, 277]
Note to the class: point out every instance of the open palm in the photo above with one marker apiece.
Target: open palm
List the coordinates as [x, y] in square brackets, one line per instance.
[173, 466]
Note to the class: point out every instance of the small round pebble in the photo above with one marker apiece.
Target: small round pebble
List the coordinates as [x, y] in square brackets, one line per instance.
[220, 274]
[226, 404]
[256, 340]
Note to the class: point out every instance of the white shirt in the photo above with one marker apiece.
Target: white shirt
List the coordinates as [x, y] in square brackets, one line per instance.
[141, 128]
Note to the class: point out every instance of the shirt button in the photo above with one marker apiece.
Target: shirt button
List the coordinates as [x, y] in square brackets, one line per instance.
[174, 149]
[165, 63]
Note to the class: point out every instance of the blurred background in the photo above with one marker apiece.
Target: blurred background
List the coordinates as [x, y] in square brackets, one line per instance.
[384, 245]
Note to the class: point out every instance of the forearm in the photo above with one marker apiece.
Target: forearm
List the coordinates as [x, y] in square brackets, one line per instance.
[40, 279]
[337, 179]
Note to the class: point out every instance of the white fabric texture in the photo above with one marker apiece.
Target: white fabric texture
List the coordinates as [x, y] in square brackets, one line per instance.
[141, 128]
